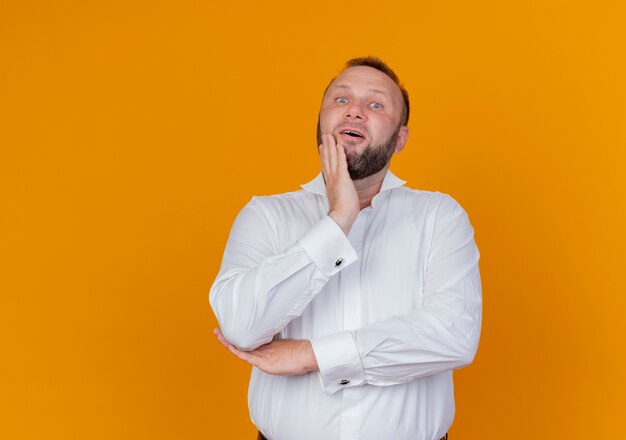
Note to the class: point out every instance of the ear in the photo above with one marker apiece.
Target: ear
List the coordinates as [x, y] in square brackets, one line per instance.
[403, 136]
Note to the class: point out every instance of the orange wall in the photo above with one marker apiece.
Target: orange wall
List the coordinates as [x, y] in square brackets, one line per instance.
[131, 134]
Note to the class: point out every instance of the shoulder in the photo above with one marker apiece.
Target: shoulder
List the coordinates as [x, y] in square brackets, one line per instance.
[430, 200]
[271, 206]
[276, 200]
[433, 209]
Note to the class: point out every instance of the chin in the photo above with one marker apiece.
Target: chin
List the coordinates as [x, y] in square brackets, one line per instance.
[351, 156]
[355, 147]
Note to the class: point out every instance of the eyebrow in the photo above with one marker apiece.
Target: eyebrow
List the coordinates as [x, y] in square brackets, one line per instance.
[344, 86]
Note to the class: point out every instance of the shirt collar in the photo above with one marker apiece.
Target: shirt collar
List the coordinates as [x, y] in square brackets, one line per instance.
[318, 186]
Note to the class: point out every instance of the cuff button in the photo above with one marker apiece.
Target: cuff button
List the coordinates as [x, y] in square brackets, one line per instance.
[338, 262]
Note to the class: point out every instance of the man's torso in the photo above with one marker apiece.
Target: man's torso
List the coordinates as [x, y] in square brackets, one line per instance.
[392, 240]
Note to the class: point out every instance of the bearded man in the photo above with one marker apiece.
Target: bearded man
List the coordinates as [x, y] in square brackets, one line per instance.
[356, 297]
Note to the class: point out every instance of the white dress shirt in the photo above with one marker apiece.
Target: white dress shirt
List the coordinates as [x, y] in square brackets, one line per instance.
[390, 309]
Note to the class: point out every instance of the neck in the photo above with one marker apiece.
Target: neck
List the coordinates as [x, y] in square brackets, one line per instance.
[368, 187]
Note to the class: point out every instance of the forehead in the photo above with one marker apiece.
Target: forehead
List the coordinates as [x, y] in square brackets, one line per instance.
[364, 78]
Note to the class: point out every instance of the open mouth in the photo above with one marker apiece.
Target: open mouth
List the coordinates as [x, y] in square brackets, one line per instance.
[352, 133]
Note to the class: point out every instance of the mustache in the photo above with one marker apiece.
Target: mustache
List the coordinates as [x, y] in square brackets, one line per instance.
[358, 126]
[344, 126]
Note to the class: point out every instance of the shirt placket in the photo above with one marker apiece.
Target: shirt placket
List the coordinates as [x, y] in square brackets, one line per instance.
[351, 414]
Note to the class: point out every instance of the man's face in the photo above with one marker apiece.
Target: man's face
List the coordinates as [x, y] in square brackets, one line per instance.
[362, 109]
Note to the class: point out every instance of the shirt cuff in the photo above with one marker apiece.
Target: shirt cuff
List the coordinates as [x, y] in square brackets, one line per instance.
[339, 361]
[328, 247]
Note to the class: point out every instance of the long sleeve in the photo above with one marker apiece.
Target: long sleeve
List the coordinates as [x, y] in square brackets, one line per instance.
[260, 288]
[441, 334]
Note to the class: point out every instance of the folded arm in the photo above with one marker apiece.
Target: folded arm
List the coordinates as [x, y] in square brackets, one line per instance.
[441, 334]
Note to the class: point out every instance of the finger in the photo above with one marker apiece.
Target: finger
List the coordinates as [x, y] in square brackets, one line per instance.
[332, 153]
[249, 356]
[225, 343]
[245, 356]
[324, 155]
[328, 146]
[223, 340]
[342, 160]
[323, 160]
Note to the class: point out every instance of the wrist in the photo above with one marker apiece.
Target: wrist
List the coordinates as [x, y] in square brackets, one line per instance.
[310, 359]
[343, 220]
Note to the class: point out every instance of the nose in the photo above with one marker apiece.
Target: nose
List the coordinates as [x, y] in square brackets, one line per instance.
[355, 111]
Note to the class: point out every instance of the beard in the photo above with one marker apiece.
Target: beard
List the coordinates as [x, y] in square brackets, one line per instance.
[372, 159]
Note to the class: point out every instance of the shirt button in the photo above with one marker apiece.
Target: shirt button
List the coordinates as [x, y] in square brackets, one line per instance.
[338, 262]
[344, 382]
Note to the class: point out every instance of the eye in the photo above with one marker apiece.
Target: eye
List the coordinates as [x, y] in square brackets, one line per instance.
[376, 105]
[341, 100]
